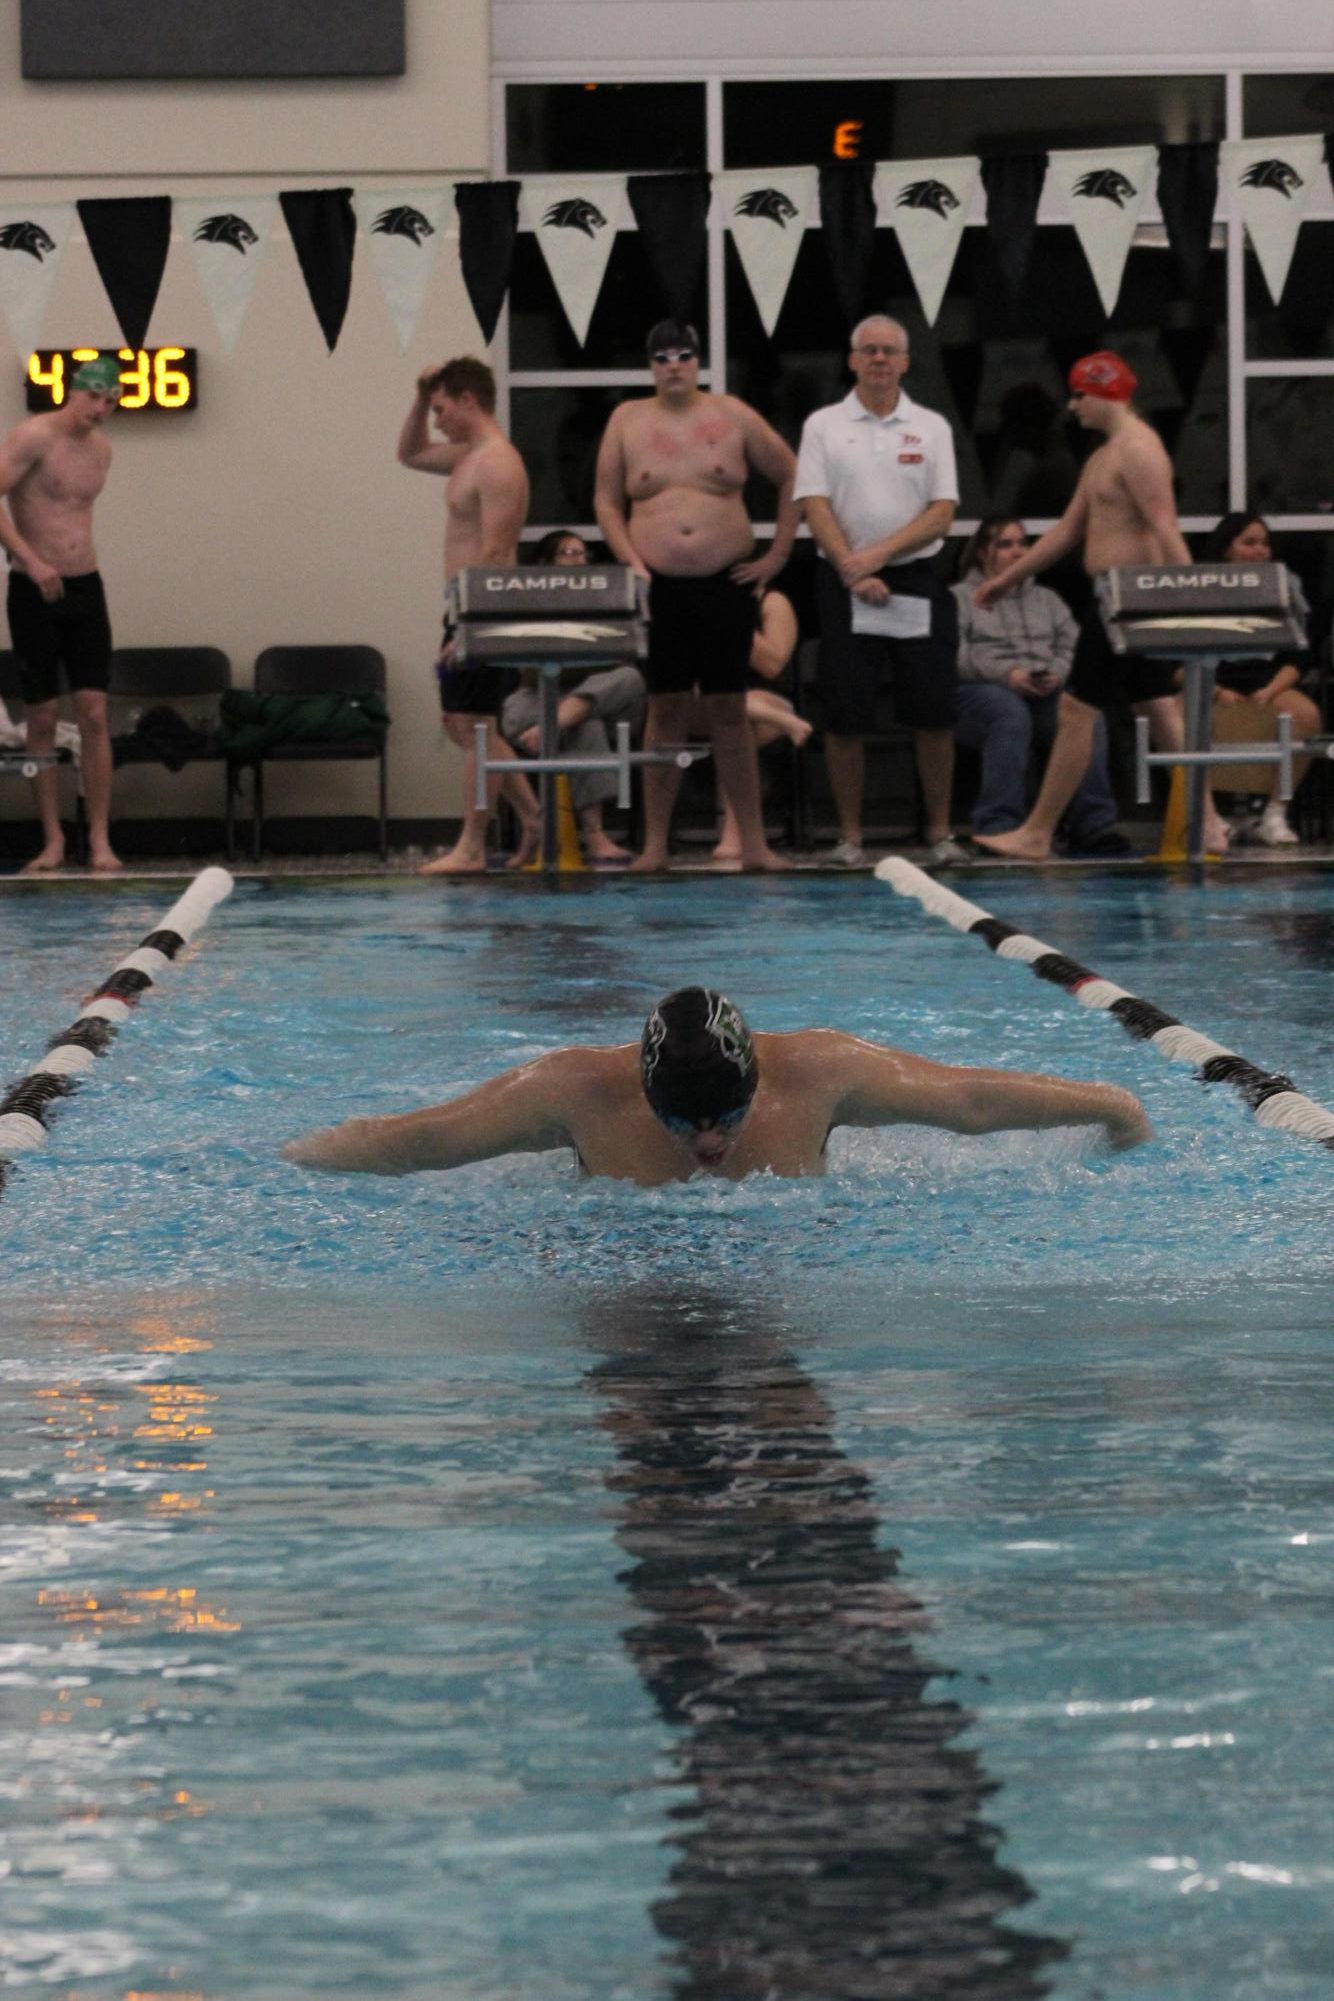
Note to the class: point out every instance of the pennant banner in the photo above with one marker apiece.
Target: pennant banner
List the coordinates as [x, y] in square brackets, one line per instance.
[227, 235]
[1104, 192]
[768, 213]
[1270, 181]
[323, 230]
[32, 236]
[847, 219]
[1014, 188]
[575, 221]
[672, 215]
[1187, 197]
[488, 219]
[402, 228]
[129, 236]
[926, 202]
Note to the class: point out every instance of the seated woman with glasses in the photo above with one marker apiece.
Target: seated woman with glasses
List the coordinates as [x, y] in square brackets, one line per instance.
[1270, 682]
[1014, 659]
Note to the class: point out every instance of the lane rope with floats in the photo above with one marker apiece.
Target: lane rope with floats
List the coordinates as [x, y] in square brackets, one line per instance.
[27, 1108]
[1273, 1098]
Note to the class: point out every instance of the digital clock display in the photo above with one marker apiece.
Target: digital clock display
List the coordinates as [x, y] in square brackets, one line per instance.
[152, 378]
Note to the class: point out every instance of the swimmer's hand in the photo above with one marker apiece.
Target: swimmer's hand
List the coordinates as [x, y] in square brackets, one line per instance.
[361, 1146]
[1126, 1123]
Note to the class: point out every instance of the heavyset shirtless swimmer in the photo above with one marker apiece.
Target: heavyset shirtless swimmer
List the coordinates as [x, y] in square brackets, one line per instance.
[671, 473]
[700, 1094]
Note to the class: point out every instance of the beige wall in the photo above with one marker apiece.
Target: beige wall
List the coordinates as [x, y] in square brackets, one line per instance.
[276, 510]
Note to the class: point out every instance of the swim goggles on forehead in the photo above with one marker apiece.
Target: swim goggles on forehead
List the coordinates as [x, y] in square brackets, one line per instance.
[663, 356]
[722, 1122]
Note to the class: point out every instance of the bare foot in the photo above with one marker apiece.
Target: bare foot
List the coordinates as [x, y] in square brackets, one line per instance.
[530, 839]
[725, 852]
[605, 851]
[51, 857]
[1017, 845]
[104, 861]
[1217, 834]
[459, 861]
[766, 860]
[728, 863]
[653, 861]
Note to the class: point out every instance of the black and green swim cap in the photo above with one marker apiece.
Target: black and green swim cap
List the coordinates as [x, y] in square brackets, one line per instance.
[101, 377]
[697, 1059]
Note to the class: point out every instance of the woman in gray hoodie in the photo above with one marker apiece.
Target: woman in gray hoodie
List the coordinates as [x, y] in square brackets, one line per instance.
[1013, 661]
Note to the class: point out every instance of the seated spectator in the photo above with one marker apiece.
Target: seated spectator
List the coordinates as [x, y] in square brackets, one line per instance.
[1014, 658]
[769, 714]
[1271, 681]
[586, 718]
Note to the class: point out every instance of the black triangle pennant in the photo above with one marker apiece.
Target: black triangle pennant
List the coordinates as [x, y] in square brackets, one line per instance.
[129, 236]
[1187, 197]
[323, 227]
[1014, 188]
[847, 224]
[671, 212]
[488, 224]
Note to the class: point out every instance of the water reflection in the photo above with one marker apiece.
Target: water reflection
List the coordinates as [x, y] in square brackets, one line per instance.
[833, 1845]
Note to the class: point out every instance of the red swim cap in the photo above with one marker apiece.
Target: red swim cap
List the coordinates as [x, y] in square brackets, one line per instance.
[1104, 375]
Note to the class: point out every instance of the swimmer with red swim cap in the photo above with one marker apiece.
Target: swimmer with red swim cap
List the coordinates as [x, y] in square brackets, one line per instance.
[1104, 375]
[1123, 512]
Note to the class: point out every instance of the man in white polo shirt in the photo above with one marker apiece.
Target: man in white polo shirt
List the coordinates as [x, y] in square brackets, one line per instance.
[876, 477]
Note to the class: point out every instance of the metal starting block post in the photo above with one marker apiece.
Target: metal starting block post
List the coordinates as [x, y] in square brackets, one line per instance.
[555, 619]
[1203, 614]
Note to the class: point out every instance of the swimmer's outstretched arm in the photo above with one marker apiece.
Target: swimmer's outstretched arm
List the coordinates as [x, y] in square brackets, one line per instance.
[890, 1087]
[518, 1112]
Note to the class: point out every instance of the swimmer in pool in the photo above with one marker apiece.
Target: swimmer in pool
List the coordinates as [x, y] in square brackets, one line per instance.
[700, 1095]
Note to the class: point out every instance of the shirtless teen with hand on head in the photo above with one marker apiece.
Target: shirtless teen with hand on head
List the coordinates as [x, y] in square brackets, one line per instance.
[670, 476]
[486, 500]
[52, 469]
[1123, 512]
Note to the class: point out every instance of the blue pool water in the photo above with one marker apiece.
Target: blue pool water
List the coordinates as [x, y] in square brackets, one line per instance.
[911, 1583]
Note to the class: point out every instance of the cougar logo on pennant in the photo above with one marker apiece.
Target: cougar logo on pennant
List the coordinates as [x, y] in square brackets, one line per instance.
[770, 203]
[27, 236]
[1106, 184]
[232, 229]
[933, 195]
[575, 214]
[402, 221]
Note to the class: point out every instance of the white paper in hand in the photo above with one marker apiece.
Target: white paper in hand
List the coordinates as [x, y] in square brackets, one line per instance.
[901, 618]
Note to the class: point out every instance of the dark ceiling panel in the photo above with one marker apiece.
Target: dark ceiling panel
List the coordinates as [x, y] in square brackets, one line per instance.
[118, 40]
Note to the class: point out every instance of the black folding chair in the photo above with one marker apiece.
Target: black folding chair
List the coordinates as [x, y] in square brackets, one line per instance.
[162, 675]
[311, 671]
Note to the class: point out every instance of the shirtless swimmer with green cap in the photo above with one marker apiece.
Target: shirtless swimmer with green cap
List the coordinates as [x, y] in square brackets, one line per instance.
[52, 469]
[699, 1094]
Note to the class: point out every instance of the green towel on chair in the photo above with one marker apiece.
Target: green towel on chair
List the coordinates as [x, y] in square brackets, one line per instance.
[252, 724]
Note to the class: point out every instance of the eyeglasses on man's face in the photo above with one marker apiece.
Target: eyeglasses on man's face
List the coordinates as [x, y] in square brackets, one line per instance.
[663, 357]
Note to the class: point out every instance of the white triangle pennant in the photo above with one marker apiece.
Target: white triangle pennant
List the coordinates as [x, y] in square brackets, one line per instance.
[575, 220]
[403, 228]
[927, 202]
[768, 210]
[1104, 190]
[227, 235]
[1270, 182]
[32, 236]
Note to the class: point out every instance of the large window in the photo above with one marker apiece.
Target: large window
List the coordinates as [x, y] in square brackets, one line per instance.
[1241, 389]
